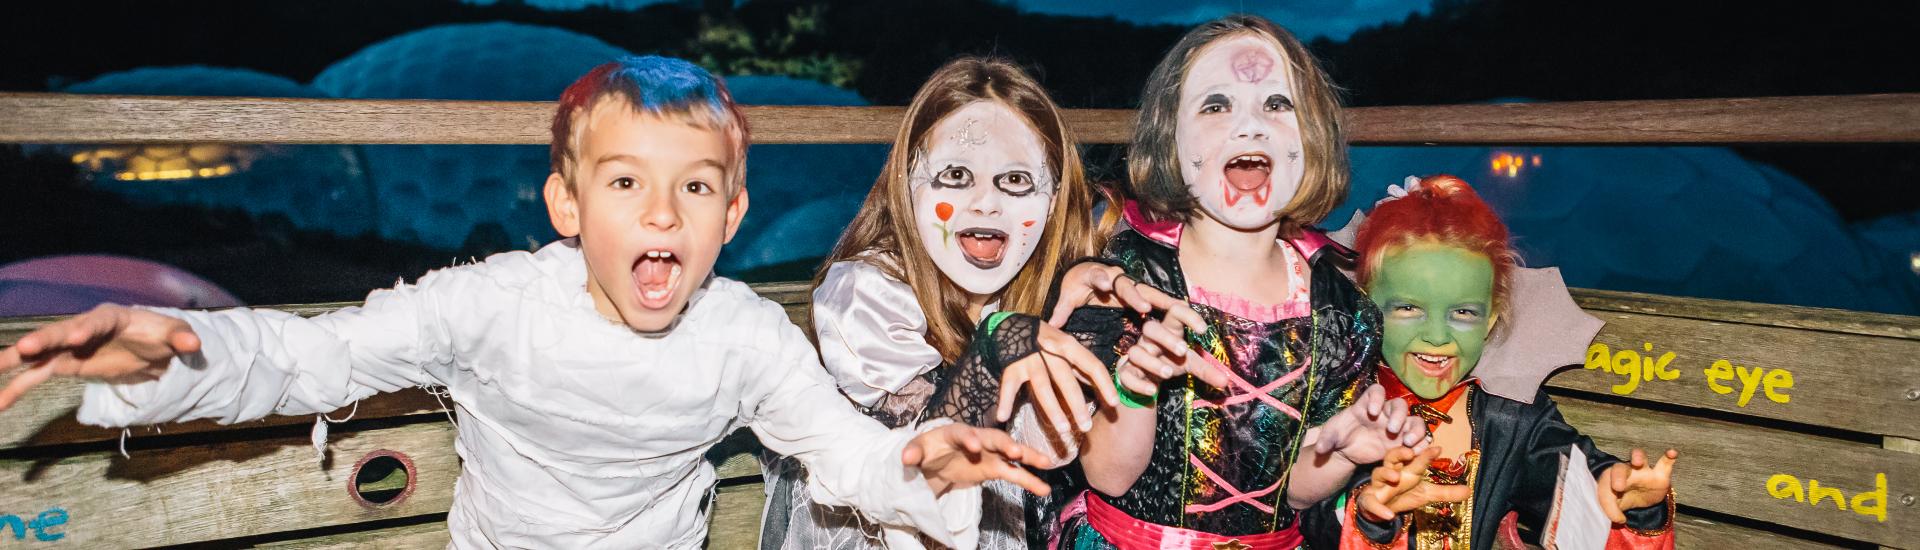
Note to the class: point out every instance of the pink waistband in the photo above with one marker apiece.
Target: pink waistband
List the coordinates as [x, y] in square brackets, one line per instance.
[1127, 533]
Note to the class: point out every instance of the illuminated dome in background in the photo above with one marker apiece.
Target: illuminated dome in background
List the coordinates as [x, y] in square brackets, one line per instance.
[316, 187]
[448, 195]
[802, 196]
[58, 285]
[1684, 221]
[1898, 240]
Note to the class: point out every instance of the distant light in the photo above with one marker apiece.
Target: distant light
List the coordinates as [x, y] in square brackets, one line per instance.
[174, 174]
[1913, 261]
[181, 162]
[1508, 165]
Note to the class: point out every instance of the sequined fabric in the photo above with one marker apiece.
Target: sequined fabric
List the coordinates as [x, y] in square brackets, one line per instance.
[1220, 455]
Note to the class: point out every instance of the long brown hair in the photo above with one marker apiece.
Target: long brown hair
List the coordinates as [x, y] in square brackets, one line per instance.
[883, 233]
[1153, 165]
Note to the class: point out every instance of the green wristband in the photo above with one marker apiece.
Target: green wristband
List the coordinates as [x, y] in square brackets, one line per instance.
[993, 321]
[1129, 398]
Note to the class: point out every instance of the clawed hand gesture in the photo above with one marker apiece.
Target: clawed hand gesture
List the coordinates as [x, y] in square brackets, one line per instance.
[1635, 484]
[957, 456]
[110, 343]
[1363, 432]
[1400, 485]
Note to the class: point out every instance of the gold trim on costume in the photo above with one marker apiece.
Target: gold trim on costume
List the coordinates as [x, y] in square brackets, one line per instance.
[1447, 525]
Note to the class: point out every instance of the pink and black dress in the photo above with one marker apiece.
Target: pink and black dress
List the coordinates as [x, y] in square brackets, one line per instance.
[1220, 456]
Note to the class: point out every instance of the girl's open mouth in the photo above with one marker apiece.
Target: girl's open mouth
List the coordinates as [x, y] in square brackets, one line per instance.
[655, 275]
[984, 248]
[1247, 177]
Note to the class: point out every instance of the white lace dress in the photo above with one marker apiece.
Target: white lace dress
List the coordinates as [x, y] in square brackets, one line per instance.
[871, 333]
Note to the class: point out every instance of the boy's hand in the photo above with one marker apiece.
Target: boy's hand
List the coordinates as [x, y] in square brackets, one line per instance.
[1053, 376]
[111, 343]
[958, 456]
[1635, 484]
[1400, 485]
[1362, 433]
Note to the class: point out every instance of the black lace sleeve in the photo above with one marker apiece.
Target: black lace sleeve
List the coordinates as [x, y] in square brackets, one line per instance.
[1101, 330]
[972, 386]
[905, 406]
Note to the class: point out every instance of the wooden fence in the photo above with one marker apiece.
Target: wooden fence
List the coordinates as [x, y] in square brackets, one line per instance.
[1798, 425]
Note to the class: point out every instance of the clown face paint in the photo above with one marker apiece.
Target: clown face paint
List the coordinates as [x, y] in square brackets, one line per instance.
[1437, 304]
[1237, 136]
[981, 195]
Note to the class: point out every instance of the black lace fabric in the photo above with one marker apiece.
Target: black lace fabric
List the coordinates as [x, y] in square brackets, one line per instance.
[972, 387]
[905, 407]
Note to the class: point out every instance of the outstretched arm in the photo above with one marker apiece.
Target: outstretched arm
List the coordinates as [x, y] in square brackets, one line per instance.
[907, 479]
[161, 365]
[1634, 493]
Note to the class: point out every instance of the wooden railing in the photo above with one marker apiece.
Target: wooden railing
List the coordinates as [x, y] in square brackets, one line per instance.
[59, 118]
[1751, 393]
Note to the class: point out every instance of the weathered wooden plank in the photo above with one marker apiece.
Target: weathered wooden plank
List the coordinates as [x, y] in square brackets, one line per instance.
[423, 536]
[735, 521]
[60, 118]
[738, 466]
[1696, 533]
[1858, 383]
[1773, 315]
[1738, 469]
[46, 416]
[220, 491]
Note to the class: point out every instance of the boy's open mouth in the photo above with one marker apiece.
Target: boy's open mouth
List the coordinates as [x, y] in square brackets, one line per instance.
[1434, 366]
[984, 248]
[655, 275]
[1247, 177]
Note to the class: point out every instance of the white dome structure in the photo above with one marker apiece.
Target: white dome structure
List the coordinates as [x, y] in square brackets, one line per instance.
[1684, 221]
[803, 196]
[316, 187]
[445, 195]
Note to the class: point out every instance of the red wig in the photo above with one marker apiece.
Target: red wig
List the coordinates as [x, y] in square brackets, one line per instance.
[1444, 210]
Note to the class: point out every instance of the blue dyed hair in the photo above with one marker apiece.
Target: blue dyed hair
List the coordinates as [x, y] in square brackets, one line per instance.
[659, 86]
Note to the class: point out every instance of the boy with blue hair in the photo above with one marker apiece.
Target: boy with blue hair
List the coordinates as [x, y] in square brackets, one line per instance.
[590, 376]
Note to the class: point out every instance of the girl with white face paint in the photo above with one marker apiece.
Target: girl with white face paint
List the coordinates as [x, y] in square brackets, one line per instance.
[925, 311]
[982, 193]
[1225, 437]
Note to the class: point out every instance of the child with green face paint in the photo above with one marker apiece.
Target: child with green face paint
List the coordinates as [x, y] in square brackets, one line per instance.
[1467, 338]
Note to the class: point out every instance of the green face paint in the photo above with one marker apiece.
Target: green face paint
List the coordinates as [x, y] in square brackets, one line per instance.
[1437, 304]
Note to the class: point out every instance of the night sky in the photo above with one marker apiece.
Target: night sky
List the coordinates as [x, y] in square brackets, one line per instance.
[1333, 19]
